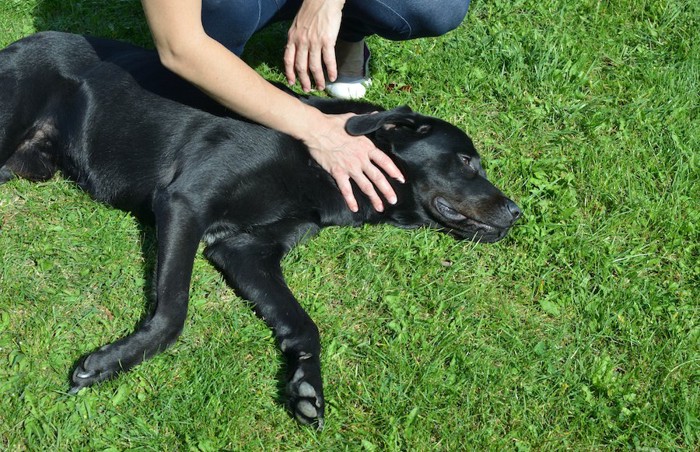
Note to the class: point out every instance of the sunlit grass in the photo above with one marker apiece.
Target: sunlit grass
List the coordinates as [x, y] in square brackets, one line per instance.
[579, 330]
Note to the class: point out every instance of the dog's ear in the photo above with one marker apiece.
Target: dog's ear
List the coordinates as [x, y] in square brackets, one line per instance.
[366, 124]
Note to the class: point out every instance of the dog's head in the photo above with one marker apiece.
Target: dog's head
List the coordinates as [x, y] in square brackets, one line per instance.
[443, 171]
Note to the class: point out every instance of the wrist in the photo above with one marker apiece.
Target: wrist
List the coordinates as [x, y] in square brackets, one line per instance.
[307, 124]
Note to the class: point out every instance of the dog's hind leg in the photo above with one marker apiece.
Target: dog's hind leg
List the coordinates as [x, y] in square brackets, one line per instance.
[252, 266]
[178, 234]
[29, 152]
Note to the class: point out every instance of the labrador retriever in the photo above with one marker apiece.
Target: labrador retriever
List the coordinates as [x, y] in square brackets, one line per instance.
[108, 116]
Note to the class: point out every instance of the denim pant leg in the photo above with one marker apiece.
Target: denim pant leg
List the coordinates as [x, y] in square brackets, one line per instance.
[233, 22]
[399, 20]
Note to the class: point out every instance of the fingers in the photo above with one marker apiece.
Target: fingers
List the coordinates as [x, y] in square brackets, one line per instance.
[343, 178]
[387, 165]
[345, 188]
[311, 44]
[316, 67]
[301, 67]
[372, 177]
[290, 52]
[379, 180]
[296, 63]
[304, 63]
[368, 179]
[329, 61]
[368, 188]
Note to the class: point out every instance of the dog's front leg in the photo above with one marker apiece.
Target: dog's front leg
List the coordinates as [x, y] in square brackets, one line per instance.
[252, 267]
[178, 234]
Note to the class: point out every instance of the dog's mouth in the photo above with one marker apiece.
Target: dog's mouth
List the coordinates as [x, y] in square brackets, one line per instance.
[464, 226]
[446, 209]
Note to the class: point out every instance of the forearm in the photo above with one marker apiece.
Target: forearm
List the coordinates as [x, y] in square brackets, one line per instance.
[188, 51]
[235, 85]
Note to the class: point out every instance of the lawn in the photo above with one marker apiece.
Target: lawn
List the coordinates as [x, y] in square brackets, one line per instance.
[579, 331]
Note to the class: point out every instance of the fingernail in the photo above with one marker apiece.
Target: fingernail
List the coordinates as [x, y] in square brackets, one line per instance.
[393, 200]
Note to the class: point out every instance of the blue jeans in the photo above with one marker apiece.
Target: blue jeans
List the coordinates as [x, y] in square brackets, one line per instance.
[233, 22]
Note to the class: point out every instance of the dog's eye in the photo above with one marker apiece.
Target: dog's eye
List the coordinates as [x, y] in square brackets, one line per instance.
[467, 161]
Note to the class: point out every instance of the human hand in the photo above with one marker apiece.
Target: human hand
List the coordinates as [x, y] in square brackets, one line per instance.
[348, 157]
[311, 43]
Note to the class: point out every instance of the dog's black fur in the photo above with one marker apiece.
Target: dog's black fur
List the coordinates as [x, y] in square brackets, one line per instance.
[110, 117]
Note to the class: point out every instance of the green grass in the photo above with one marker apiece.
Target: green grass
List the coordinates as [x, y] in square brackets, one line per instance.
[578, 331]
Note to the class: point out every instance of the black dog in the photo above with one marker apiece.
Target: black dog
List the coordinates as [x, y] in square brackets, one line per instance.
[108, 116]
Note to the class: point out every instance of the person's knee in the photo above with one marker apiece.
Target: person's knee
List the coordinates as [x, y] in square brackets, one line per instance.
[429, 20]
[232, 23]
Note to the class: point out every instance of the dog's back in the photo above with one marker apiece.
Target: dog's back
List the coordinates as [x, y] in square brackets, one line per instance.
[45, 62]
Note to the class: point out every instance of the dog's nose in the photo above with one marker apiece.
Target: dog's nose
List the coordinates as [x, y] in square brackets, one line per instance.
[514, 210]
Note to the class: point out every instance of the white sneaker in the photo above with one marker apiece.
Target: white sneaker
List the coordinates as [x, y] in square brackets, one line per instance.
[351, 82]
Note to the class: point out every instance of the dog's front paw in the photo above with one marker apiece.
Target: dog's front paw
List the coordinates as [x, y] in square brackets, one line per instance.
[94, 368]
[305, 396]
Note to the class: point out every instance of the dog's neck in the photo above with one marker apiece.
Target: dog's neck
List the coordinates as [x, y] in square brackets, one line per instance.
[335, 211]
[399, 214]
